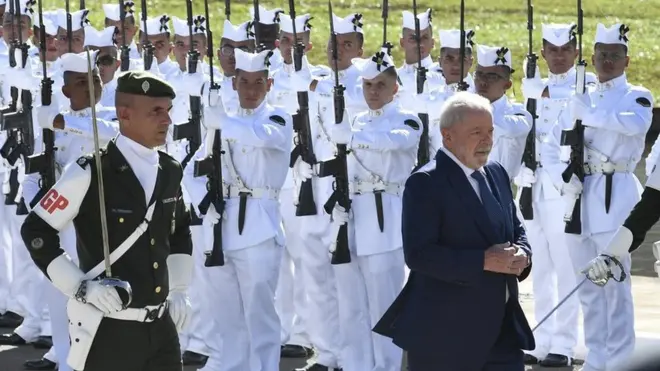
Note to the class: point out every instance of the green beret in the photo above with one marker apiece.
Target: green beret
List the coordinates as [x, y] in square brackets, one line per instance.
[144, 83]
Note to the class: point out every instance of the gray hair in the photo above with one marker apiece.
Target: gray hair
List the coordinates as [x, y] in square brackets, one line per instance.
[459, 105]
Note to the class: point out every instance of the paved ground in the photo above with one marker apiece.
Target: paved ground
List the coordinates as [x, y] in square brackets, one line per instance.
[646, 287]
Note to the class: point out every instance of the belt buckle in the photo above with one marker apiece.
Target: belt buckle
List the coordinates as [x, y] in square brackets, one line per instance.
[608, 168]
[154, 314]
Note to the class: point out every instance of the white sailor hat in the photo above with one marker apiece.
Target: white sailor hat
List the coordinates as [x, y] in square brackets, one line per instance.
[452, 39]
[158, 25]
[78, 19]
[242, 32]
[253, 62]
[370, 68]
[616, 34]
[76, 62]
[424, 20]
[351, 23]
[100, 39]
[302, 23]
[558, 34]
[267, 16]
[3, 2]
[26, 7]
[49, 24]
[181, 26]
[488, 56]
[112, 10]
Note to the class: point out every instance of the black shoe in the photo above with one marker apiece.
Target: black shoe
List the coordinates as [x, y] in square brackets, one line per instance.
[40, 364]
[12, 339]
[43, 342]
[317, 367]
[530, 359]
[193, 359]
[10, 320]
[295, 351]
[555, 360]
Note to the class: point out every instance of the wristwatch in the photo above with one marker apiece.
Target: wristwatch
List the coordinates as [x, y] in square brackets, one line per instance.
[81, 293]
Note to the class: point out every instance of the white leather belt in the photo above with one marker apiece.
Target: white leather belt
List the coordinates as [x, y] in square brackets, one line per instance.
[146, 314]
[361, 187]
[607, 168]
[264, 193]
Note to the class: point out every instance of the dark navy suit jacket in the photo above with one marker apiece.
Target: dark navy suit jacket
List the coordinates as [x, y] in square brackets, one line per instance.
[450, 306]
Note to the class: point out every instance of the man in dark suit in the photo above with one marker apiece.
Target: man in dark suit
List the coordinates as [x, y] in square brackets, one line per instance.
[466, 250]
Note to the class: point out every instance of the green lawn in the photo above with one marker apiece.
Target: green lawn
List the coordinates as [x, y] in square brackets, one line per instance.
[496, 22]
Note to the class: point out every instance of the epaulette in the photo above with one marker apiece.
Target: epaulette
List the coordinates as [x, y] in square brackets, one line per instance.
[278, 120]
[167, 156]
[87, 159]
[412, 123]
[642, 101]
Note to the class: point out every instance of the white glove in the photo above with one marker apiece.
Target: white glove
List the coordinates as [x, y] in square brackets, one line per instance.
[192, 82]
[597, 270]
[339, 216]
[580, 105]
[214, 115]
[46, 116]
[342, 133]
[179, 268]
[212, 216]
[525, 178]
[23, 79]
[105, 298]
[533, 88]
[300, 80]
[214, 97]
[180, 309]
[154, 68]
[573, 188]
[302, 170]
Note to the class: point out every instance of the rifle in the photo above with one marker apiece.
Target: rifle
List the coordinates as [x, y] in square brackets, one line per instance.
[338, 166]
[258, 46]
[69, 26]
[462, 85]
[212, 169]
[11, 141]
[191, 130]
[575, 138]
[43, 163]
[305, 146]
[423, 155]
[228, 10]
[147, 46]
[124, 49]
[529, 155]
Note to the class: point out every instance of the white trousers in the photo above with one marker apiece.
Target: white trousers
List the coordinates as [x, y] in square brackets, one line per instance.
[246, 328]
[26, 285]
[5, 251]
[193, 339]
[553, 278]
[609, 331]
[366, 288]
[59, 321]
[290, 297]
[322, 307]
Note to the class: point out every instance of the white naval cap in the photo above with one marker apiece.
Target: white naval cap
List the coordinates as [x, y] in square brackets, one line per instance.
[267, 16]
[49, 23]
[616, 34]
[26, 7]
[181, 26]
[253, 62]
[424, 20]
[558, 34]
[242, 32]
[76, 62]
[351, 23]
[112, 10]
[302, 23]
[370, 68]
[158, 25]
[100, 39]
[489, 56]
[78, 19]
[452, 39]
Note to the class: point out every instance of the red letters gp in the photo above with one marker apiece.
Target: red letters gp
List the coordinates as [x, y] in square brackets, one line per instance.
[53, 201]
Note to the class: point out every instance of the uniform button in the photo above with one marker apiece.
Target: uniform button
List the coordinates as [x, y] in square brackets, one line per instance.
[155, 265]
[121, 220]
[153, 242]
[157, 290]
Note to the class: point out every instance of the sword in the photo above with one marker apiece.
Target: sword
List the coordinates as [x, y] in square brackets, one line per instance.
[108, 280]
[585, 279]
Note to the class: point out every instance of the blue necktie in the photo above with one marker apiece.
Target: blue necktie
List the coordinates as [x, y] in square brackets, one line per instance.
[492, 206]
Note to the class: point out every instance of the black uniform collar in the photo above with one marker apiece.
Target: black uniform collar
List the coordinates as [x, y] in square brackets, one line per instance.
[122, 172]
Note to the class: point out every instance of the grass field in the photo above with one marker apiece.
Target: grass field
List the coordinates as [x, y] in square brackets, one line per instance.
[497, 22]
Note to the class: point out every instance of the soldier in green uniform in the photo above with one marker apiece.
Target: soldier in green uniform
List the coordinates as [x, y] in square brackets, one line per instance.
[148, 236]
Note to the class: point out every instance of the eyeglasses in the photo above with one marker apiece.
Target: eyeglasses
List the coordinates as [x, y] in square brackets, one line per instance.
[106, 60]
[228, 50]
[488, 77]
